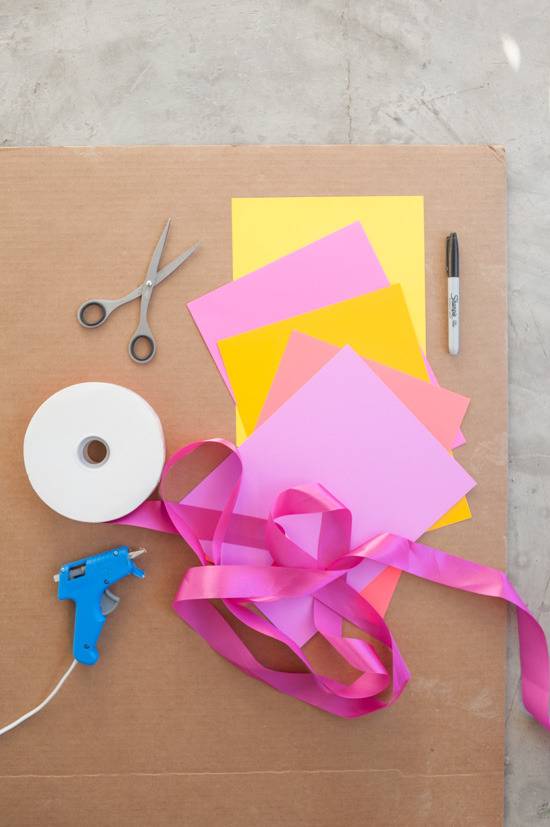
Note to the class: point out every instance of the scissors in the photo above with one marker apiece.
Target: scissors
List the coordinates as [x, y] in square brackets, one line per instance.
[143, 337]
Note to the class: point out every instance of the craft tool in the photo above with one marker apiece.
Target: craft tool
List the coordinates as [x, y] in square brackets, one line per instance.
[87, 582]
[453, 293]
[94, 451]
[143, 337]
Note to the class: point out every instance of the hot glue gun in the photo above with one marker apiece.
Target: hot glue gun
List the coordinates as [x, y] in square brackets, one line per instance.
[87, 583]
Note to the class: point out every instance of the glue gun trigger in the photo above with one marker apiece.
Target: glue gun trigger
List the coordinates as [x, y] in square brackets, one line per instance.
[109, 602]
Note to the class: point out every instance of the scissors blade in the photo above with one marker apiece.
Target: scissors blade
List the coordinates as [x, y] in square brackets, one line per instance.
[152, 272]
[169, 268]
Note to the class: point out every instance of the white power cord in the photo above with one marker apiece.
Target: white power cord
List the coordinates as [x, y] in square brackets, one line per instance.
[44, 703]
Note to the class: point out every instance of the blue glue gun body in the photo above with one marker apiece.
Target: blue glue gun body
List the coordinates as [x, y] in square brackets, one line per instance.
[87, 583]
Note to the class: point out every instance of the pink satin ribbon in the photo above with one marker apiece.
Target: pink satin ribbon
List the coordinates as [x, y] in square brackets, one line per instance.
[293, 572]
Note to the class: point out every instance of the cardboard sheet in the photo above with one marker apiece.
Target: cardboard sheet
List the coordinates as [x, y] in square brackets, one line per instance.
[162, 731]
[265, 229]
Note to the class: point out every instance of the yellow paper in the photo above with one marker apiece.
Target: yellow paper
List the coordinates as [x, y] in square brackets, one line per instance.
[460, 511]
[264, 229]
[377, 326]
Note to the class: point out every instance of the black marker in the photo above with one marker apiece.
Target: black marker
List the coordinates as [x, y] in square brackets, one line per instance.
[453, 293]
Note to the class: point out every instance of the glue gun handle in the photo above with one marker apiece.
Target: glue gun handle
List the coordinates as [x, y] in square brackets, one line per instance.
[88, 624]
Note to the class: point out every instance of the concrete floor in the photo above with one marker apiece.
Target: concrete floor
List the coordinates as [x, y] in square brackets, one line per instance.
[332, 71]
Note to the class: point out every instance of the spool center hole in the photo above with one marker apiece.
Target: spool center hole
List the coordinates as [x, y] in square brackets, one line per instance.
[94, 451]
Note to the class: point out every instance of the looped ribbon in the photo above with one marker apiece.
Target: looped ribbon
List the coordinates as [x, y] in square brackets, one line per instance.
[286, 569]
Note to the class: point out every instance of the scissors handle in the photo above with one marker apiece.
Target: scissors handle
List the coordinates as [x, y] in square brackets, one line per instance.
[87, 312]
[105, 307]
[143, 337]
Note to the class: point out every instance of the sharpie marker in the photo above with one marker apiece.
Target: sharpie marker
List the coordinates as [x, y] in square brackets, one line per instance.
[453, 295]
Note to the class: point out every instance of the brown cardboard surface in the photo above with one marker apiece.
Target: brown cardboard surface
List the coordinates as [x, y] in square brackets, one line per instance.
[163, 731]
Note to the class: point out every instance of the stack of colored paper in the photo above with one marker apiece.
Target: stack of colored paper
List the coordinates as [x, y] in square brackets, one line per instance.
[322, 345]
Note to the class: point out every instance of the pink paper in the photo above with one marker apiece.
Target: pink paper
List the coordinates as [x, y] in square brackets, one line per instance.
[441, 410]
[379, 591]
[339, 266]
[346, 430]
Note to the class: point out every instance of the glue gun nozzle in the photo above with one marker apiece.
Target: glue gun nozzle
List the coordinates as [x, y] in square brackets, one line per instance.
[137, 553]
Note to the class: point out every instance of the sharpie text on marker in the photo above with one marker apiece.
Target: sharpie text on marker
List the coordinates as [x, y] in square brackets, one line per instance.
[453, 293]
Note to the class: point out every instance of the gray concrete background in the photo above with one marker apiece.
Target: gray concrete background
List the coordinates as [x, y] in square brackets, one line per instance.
[332, 71]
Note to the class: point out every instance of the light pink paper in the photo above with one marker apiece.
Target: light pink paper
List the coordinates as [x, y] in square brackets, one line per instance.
[339, 266]
[439, 409]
